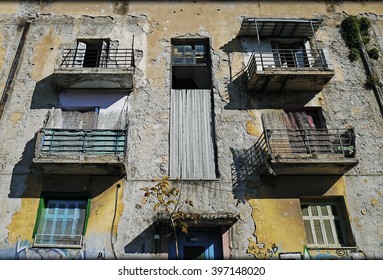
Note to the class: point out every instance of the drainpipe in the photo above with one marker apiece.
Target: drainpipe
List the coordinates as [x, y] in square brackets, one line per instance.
[14, 68]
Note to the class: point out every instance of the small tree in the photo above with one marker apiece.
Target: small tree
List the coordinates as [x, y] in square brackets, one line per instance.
[168, 200]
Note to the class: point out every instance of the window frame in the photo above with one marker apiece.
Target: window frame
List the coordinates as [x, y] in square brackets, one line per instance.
[85, 49]
[339, 222]
[191, 63]
[43, 205]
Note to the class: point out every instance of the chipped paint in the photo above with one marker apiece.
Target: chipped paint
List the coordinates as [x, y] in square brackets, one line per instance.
[47, 48]
[102, 209]
[252, 127]
[277, 222]
[23, 221]
[374, 202]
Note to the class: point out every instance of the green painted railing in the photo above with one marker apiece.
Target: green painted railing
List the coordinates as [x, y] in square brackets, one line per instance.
[83, 141]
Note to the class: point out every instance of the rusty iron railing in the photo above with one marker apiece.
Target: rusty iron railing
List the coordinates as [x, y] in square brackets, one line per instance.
[310, 141]
[110, 58]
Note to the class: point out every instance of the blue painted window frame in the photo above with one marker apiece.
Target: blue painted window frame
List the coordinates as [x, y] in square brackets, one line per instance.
[60, 210]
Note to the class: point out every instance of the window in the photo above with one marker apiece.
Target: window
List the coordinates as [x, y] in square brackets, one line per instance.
[189, 54]
[290, 53]
[192, 146]
[325, 223]
[190, 64]
[91, 53]
[61, 222]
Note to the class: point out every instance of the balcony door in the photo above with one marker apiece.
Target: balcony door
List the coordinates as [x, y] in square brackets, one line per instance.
[289, 54]
[297, 131]
[91, 53]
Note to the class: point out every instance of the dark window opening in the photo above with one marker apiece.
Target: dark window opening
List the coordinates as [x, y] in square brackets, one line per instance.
[191, 64]
[307, 118]
[92, 53]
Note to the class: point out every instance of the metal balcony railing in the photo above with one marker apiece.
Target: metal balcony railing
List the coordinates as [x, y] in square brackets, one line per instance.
[287, 59]
[76, 141]
[251, 160]
[58, 241]
[110, 58]
[310, 141]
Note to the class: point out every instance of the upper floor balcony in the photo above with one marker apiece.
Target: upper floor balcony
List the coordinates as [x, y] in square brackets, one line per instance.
[95, 67]
[299, 152]
[81, 151]
[283, 54]
[308, 151]
[277, 70]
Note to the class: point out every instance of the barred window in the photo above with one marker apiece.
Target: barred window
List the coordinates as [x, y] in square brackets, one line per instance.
[61, 223]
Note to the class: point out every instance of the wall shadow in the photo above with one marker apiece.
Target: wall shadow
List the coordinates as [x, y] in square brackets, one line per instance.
[28, 181]
[295, 186]
[250, 177]
[45, 94]
[144, 242]
[23, 175]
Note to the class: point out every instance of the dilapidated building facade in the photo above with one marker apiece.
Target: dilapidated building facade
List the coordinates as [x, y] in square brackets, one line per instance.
[252, 108]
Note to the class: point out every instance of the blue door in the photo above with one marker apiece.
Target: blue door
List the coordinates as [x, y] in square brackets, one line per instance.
[199, 243]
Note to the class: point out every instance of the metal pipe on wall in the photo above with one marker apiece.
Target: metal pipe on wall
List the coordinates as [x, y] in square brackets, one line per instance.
[14, 67]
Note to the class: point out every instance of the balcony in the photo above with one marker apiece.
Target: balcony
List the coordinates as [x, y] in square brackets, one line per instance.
[300, 152]
[95, 68]
[77, 151]
[296, 70]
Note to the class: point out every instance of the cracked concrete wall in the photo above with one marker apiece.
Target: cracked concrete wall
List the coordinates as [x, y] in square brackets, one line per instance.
[344, 100]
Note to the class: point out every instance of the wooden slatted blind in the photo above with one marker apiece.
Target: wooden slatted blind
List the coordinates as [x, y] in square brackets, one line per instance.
[191, 135]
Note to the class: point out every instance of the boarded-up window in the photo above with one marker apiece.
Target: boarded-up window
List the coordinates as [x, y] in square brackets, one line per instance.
[192, 153]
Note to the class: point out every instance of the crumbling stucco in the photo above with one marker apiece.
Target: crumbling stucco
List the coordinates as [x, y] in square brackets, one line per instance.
[264, 216]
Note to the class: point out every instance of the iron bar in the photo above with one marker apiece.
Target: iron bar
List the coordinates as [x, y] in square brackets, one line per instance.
[77, 141]
[111, 58]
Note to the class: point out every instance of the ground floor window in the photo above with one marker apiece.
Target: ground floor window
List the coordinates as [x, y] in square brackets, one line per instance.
[61, 222]
[325, 223]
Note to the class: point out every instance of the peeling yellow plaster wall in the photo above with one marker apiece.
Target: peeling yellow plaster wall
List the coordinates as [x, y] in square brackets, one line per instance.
[101, 214]
[23, 222]
[46, 49]
[9, 7]
[279, 222]
[102, 209]
[79, 8]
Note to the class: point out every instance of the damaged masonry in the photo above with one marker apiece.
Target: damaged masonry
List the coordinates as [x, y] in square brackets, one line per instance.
[188, 130]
